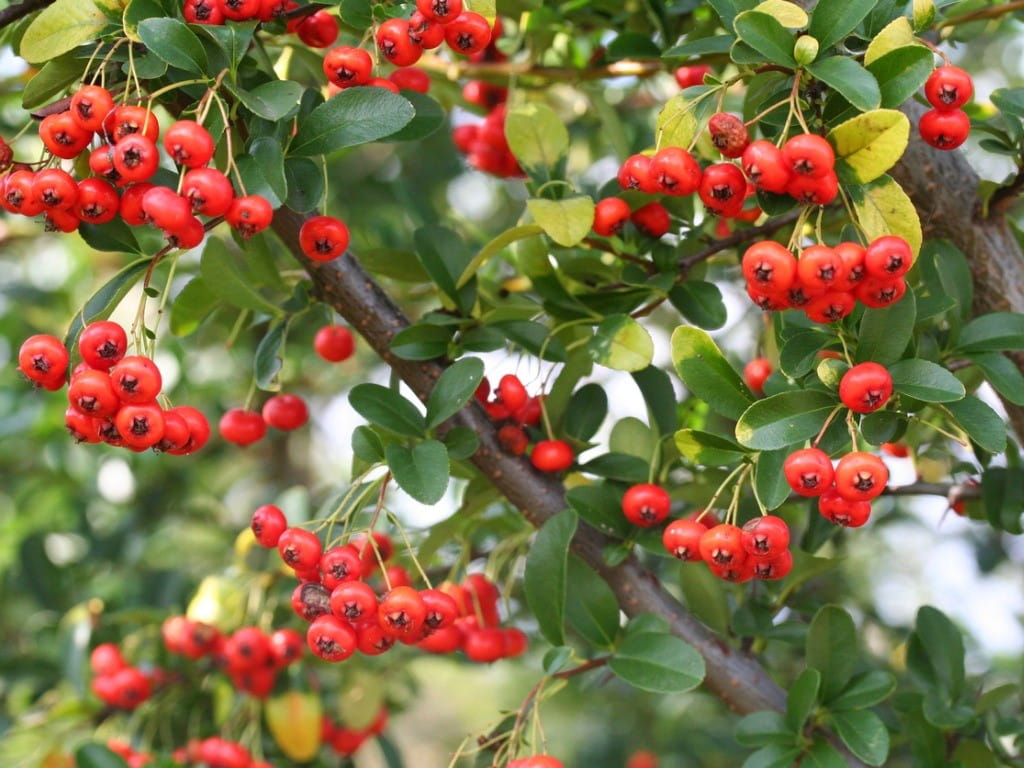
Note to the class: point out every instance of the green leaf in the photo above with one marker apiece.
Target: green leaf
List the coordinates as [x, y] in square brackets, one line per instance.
[926, 381]
[422, 341]
[832, 648]
[97, 756]
[537, 137]
[115, 236]
[864, 690]
[676, 125]
[706, 597]
[832, 20]
[601, 506]
[1003, 496]
[770, 484]
[783, 419]
[357, 13]
[935, 653]
[383, 406]
[994, 332]
[429, 117]
[727, 9]
[1001, 374]
[700, 302]
[234, 39]
[707, 374]
[270, 356]
[656, 388]
[618, 466]
[881, 426]
[883, 208]
[587, 409]
[445, 257]
[353, 117]
[900, 73]
[885, 333]
[172, 41]
[60, 28]
[708, 449]
[461, 442]
[622, 344]
[566, 221]
[546, 575]
[946, 273]
[702, 46]
[51, 80]
[367, 445]
[422, 472]
[224, 277]
[657, 662]
[788, 14]
[773, 756]
[871, 143]
[849, 79]
[764, 727]
[496, 246]
[766, 36]
[982, 424]
[453, 390]
[266, 152]
[896, 34]
[101, 304]
[799, 353]
[533, 337]
[864, 734]
[273, 101]
[823, 755]
[632, 437]
[801, 698]
[190, 307]
[593, 610]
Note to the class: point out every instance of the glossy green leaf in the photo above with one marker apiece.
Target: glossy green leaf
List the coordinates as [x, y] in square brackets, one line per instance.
[801, 698]
[764, 727]
[702, 46]
[656, 388]
[1002, 374]
[383, 406]
[994, 332]
[864, 690]
[269, 356]
[871, 143]
[422, 341]
[864, 734]
[708, 449]
[191, 306]
[848, 78]
[274, 100]
[901, 73]
[60, 28]
[770, 484]
[767, 36]
[304, 180]
[935, 652]
[445, 257]
[832, 648]
[885, 333]
[700, 302]
[658, 662]
[587, 409]
[823, 755]
[454, 389]
[233, 39]
[104, 301]
[422, 472]
[367, 445]
[429, 118]
[784, 419]
[546, 575]
[600, 504]
[593, 610]
[622, 344]
[496, 246]
[799, 353]
[982, 424]
[832, 20]
[223, 275]
[353, 117]
[51, 80]
[676, 125]
[707, 374]
[881, 426]
[1003, 496]
[172, 41]
[706, 597]
[924, 380]
[773, 756]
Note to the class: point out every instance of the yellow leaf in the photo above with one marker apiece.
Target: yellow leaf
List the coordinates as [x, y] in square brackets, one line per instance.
[60, 28]
[294, 721]
[885, 209]
[924, 14]
[896, 34]
[871, 143]
[676, 125]
[786, 13]
[566, 221]
[218, 602]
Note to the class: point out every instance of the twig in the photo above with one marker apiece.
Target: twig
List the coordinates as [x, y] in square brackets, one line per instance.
[12, 13]
[738, 238]
[992, 12]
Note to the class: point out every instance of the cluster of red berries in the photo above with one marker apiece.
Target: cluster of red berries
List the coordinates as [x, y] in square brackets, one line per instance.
[249, 656]
[115, 682]
[113, 397]
[215, 752]
[827, 282]
[346, 614]
[845, 491]
[125, 158]
[347, 741]
[946, 126]
[317, 30]
[760, 549]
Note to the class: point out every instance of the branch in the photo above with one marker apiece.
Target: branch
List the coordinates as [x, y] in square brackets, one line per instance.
[503, 70]
[992, 12]
[12, 13]
[767, 229]
[943, 187]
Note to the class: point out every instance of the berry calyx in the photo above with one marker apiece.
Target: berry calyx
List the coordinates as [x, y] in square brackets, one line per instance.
[765, 537]
[866, 387]
[646, 504]
[948, 88]
[861, 476]
[682, 539]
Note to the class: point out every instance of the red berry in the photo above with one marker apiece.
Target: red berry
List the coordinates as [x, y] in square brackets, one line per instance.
[728, 134]
[690, 76]
[765, 537]
[441, 609]
[652, 219]
[772, 568]
[735, 571]
[141, 425]
[610, 215]
[552, 456]
[808, 154]
[310, 599]
[865, 387]
[106, 659]
[723, 545]
[769, 267]
[813, 190]
[353, 600]
[98, 201]
[84, 429]
[330, 638]
[943, 129]
[346, 66]
[722, 189]
[92, 394]
[136, 379]
[756, 373]
[401, 612]
[467, 33]
[411, 78]
[373, 641]
[861, 476]
[851, 514]
[484, 646]
[240, 10]
[852, 256]
[43, 359]
[682, 539]
[513, 439]
[165, 208]
[511, 392]
[673, 171]
[285, 412]
[188, 144]
[765, 165]
[208, 191]
[242, 427]
[395, 44]
[203, 12]
[268, 523]
[635, 173]
[818, 269]
[877, 293]
[198, 430]
[898, 450]
[948, 88]
[130, 119]
[318, 30]
[809, 471]
[63, 136]
[54, 188]
[442, 11]
[249, 215]
[300, 549]
[536, 761]
[888, 257]
[18, 196]
[428, 35]
[646, 504]
[90, 105]
[830, 307]
[340, 564]
[334, 343]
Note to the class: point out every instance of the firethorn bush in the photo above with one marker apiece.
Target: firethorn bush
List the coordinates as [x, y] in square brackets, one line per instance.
[495, 384]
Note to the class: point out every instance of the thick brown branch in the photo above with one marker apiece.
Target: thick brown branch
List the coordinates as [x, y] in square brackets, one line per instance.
[944, 187]
[12, 13]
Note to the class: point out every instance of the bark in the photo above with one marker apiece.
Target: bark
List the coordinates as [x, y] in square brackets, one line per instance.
[944, 189]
